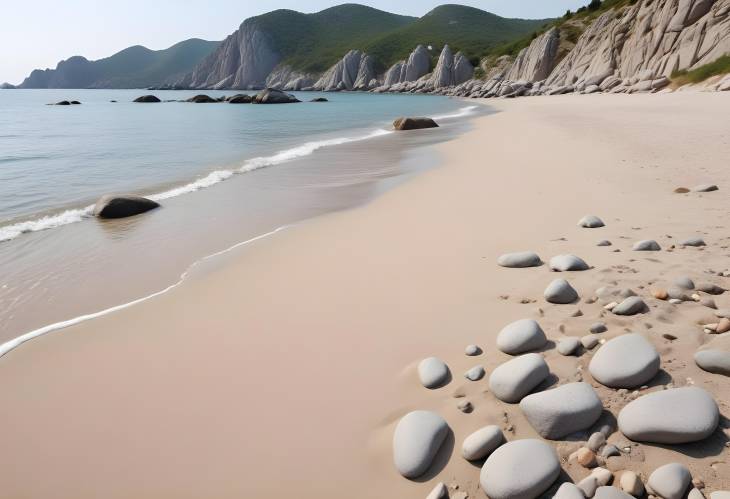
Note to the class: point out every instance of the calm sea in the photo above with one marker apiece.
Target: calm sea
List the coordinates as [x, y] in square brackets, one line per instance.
[224, 173]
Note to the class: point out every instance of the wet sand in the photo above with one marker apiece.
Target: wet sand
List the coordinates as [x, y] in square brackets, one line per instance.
[280, 369]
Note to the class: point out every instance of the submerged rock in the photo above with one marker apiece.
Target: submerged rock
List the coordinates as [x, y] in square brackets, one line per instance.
[122, 206]
[562, 411]
[147, 98]
[519, 260]
[522, 469]
[561, 292]
[521, 336]
[416, 441]
[676, 416]
[402, 124]
[514, 379]
[627, 361]
[319, 99]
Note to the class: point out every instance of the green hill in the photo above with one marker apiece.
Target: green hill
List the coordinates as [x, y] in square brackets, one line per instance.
[134, 67]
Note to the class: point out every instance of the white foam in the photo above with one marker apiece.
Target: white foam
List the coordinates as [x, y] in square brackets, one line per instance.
[10, 232]
[16, 342]
[464, 111]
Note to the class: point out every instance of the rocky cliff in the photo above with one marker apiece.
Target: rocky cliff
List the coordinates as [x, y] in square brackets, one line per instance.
[416, 66]
[633, 49]
[355, 71]
[451, 70]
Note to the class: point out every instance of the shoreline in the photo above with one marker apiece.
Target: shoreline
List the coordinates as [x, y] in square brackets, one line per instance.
[287, 365]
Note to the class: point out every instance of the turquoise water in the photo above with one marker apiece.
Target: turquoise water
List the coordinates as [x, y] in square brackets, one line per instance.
[223, 173]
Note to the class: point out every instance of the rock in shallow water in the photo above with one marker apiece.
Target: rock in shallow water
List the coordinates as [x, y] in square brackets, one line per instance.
[481, 443]
[630, 306]
[714, 361]
[521, 336]
[433, 372]
[670, 481]
[567, 263]
[591, 222]
[111, 206]
[519, 260]
[560, 292]
[416, 441]
[562, 411]
[647, 245]
[514, 379]
[627, 361]
[403, 124]
[521, 469]
[676, 416]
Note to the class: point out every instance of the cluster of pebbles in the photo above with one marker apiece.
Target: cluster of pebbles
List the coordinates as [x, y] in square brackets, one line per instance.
[576, 422]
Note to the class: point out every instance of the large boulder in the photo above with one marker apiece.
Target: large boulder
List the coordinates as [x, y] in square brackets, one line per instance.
[627, 361]
[521, 336]
[115, 206]
[417, 439]
[147, 98]
[273, 96]
[677, 416]
[562, 411]
[514, 379]
[402, 124]
[522, 469]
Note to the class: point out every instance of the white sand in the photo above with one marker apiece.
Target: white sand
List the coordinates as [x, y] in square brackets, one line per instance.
[281, 371]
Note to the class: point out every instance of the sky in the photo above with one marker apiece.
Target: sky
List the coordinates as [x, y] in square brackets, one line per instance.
[40, 33]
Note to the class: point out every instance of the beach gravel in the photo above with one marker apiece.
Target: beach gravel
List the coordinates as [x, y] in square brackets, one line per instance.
[630, 306]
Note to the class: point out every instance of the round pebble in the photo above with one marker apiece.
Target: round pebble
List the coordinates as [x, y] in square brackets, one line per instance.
[694, 242]
[604, 243]
[433, 372]
[610, 493]
[647, 245]
[472, 351]
[714, 361]
[670, 481]
[627, 361]
[561, 292]
[591, 222]
[568, 491]
[482, 443]
[522, 469]
[631, 484]
[598, 328]
[514, 379]
[439, 492]
[417, 439]
[568, 263]
[568, 346]
[590, 342]
[520, 337]
[520, 260]
[475, 373]
[684, 283]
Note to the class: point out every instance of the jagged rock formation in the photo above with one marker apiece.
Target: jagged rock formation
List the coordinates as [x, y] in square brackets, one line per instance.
[417, 66]
[633, 50]
[355, 71]
[285, 78]
[451, 69]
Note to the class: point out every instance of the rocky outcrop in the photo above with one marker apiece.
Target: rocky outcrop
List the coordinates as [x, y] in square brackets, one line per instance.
[416, 66]
[285, 78]
[451, 70]
[244, 60]
[634, 49]
[111, 206]
[147, 99]
[355, 71]
[273, 96]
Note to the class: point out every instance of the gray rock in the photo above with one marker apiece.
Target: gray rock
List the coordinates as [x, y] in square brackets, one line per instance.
[694, 241]
[705, 188]
[676, 416]
[521, 336]
[631, 306]
[450, 69]
[670, 481]
[568, 491]
[538, 467]
[627, 361]
[111, 206]
[561, 292]
[433, 372]
[684, 283]
[353, 72]
[475, 373]
[472, 350]
[590, 341]
[273, 96]
[695, 493]
[714, 361]
[567, 263]
[417, 439]
[514, 379]
[598, 328]
[604, 242]
[147, 99]
[588, 486]
[568, 346]
[647, 245]
[404, 124]
[709, 288]
[610, 451]
[611, 493]
[591, 222]
[564, 410]
[520, 260]
[596, 441]
[439, 492]
[482, 443]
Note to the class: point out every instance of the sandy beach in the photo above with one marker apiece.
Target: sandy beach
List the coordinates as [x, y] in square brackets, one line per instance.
[280, 369]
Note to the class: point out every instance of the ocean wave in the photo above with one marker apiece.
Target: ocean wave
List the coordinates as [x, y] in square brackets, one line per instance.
[10, 232]
[464, 111]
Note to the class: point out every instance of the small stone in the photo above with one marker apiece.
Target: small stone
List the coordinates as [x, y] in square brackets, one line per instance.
[475, 373]
[681, 190]
[708, 302]
[568, 346]
[647, 245]
[709, 288]
[694, 242]
[631, 484]
[697, 494]
[588, 486]
[521, 336]
[439, 492]
[610, 306]
[567, 263]
[603, 476]
[538, 467]
[586, 457]
[598, 328]
[610, 451]
[433, 373]
[568, 491]
[514, 379]
[698, 483]
[520, 260]
[560, 292]
[482, 443]
[416, 441]
[611, 493]
[472, 351]
[660, 294]
[596, 441]
[630, 306]
[704, 188]
[670, 481]
[465, 406]
[684, 283]
[603, 243]
[589, 342]
[714, 361]
[723, 326]
[591, 222]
